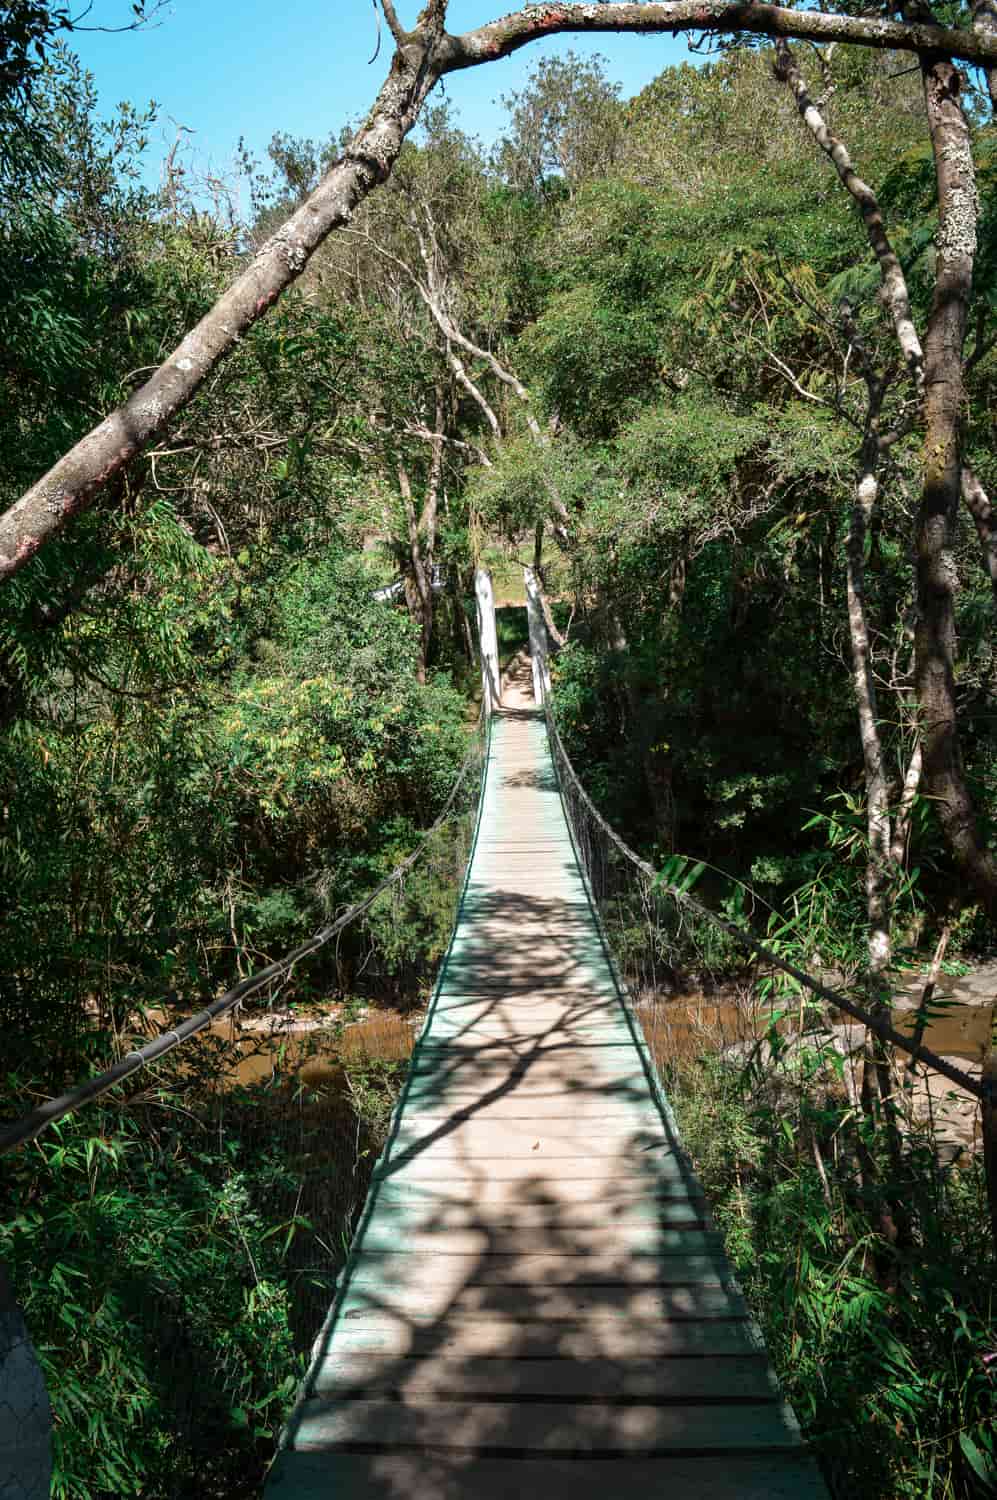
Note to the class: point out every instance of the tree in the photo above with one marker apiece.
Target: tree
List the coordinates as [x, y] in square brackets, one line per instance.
[566, 127]
[423, 55]
[936, 370]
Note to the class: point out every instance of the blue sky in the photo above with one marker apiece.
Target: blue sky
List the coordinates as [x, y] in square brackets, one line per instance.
[231, 68]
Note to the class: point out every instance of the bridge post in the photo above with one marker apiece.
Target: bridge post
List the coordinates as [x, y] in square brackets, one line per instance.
[491, 681]
[989, 1132]
[538, 636]
[25, 1414]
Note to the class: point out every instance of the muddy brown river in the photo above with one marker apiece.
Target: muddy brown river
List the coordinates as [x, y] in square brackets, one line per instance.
[314, 1048]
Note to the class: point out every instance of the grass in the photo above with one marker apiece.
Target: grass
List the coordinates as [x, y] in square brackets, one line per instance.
[885, 1345]
[174, 1254]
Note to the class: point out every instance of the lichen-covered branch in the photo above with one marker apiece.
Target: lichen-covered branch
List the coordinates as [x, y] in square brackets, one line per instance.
[984, 14]
[74, 482]
[935, 644]
[937, 370]
[502, 37]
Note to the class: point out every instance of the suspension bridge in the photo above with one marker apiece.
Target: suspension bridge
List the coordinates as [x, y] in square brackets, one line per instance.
[536, 1302]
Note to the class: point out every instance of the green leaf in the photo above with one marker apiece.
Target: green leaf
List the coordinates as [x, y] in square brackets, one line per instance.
[979, 1465]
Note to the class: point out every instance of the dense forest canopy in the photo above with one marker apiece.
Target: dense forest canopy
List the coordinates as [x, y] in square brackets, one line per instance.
[717, 361]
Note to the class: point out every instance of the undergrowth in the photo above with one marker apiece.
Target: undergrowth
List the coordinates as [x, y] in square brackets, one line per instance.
[886, 1349]
[173, 1257]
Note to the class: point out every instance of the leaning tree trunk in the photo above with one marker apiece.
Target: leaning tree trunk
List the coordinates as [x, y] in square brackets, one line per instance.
[878, 865]
[85, 471]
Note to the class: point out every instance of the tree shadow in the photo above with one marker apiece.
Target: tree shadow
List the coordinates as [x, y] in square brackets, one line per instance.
[536, 1286]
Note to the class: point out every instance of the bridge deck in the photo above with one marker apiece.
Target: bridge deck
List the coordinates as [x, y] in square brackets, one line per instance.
[536, 1303]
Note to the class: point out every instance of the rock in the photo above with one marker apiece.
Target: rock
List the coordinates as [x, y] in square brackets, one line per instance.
[25, 1414]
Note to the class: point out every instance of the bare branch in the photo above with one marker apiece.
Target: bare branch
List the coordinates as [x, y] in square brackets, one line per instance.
[463, 378]
[144, 20]
[394, 25]
[426, 435]
[901, 826]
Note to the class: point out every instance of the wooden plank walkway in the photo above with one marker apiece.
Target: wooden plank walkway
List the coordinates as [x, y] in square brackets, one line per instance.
[536, 1303]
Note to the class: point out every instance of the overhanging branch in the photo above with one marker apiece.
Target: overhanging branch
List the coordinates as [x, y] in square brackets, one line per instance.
[506, 35]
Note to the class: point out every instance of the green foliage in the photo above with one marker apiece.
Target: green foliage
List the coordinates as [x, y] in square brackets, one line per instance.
[172, 1257]
[884, 1355]
[212, 737]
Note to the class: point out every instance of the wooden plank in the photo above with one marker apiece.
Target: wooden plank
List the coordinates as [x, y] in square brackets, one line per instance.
[537, 1171]
[653, 1157]
[440, 1476]
[556, 989]
[524, 1051]
[532, 1081]
[618, 1338]
[497, 1191]
[491, 1136]
[745, 1377]
[548, 1304]
[552, 1028]
[448, 1238]
[633, 1220]
[551, 1427]
[545, 1110]
[462, 1270]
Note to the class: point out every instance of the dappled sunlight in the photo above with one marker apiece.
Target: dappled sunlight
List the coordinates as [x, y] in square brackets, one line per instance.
[536, 1281]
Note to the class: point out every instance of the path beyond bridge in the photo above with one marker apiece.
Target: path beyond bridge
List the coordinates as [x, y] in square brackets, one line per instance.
[536, 1303]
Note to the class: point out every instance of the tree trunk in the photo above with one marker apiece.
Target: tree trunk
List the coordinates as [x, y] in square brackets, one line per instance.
[893, 283]
[935, 635]
[936, 370]
[418, 583]
[538, 574]
[878, 865]
[985, 25]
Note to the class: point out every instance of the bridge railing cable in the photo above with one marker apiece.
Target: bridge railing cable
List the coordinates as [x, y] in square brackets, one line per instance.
[629, 893]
